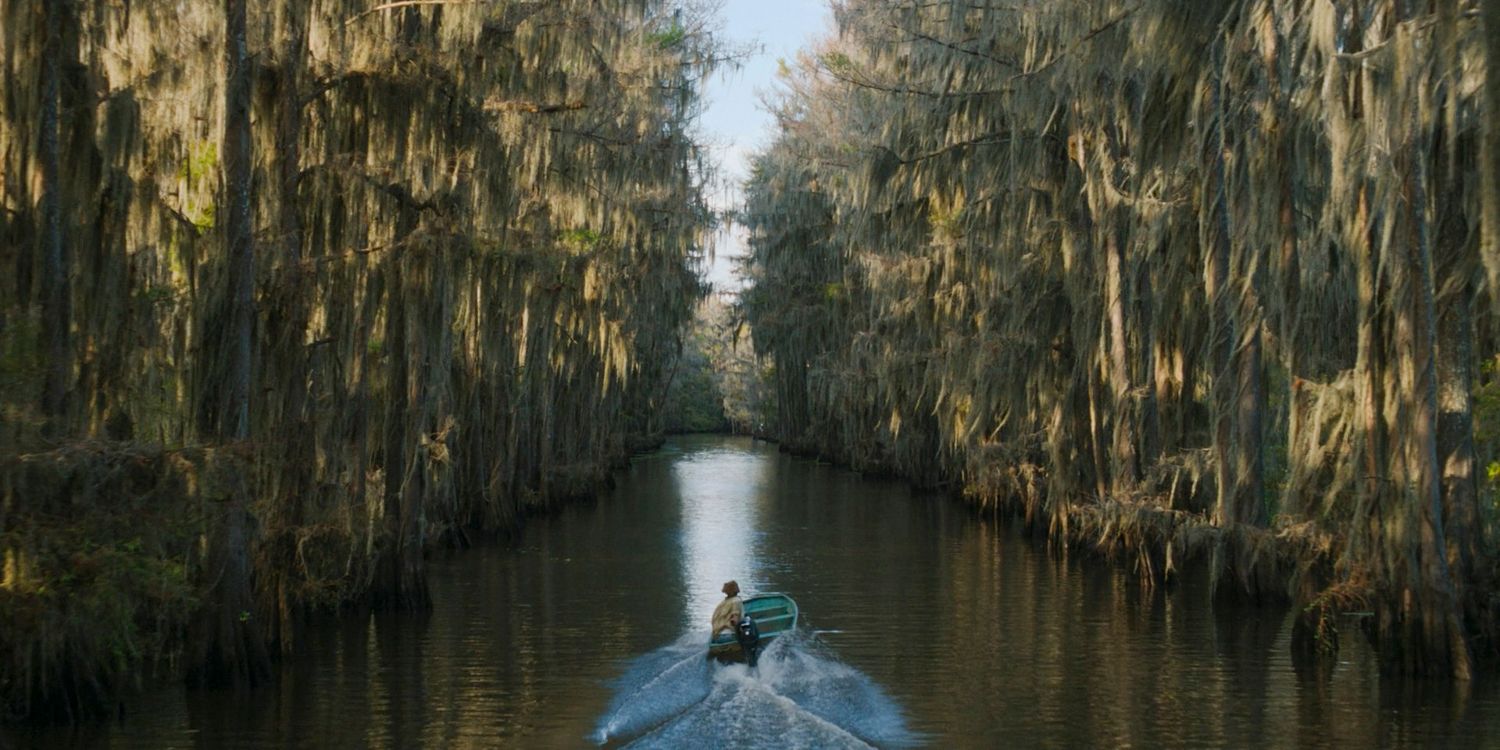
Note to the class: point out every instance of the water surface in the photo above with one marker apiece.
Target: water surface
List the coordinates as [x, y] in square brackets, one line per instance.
[923, 626]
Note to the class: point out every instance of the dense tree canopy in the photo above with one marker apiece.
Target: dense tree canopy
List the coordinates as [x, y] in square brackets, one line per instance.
[294, 291]
[322, 283]
[719, 384]
[1174, 278]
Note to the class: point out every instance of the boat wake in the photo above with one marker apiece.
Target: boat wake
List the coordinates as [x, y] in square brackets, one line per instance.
[799, 696]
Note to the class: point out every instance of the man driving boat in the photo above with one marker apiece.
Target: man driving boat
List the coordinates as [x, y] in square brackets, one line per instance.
[727, 615]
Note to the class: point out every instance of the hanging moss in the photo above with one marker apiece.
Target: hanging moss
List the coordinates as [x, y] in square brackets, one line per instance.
[1104, 263]
[474, 230]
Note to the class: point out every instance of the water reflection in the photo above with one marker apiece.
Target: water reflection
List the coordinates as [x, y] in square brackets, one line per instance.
[720, 493]
[799, 695]
[935, 627]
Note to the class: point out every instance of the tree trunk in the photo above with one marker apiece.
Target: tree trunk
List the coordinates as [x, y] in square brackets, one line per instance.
[289, 135]
[1369, 367]
[1188, 371]
[1489, 151]
[1368, 372]
[1455, 434]
[1150, 409]
[56, 292]
[1441, 632]
[287, 325]
[402, 582]
[1286, 227]
[229, 647]
[1438, 639]
[1250, 408]
[239, 227]
[1215, 232]
[1125, 472]
[1456, 276]
[1248, 506]
[232, 650]
[1096, 432]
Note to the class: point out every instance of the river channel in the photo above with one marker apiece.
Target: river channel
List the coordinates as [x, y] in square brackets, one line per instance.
[923, 626]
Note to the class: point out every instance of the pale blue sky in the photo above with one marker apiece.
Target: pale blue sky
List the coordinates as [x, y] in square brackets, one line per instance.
[734, 123]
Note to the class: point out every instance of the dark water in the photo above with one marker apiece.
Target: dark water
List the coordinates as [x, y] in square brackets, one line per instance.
[922, 627]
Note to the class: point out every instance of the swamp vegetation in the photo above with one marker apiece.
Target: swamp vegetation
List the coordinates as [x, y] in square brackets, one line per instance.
[1174, 281]
[294, 291]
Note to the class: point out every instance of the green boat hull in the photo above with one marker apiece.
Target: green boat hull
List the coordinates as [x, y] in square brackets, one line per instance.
[774, 615]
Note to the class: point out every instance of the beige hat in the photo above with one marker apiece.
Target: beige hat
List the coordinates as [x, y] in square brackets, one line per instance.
[731, 589]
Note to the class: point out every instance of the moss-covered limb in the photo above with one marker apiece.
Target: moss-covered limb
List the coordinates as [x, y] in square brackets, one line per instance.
[965, 237]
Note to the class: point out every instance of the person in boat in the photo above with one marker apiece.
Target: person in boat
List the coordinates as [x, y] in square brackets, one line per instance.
[727, 615]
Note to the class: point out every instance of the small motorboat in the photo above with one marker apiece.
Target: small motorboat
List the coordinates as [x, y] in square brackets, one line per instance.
[766, 616]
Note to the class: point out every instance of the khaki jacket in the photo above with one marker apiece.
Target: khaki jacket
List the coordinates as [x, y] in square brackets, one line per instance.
[727, 614]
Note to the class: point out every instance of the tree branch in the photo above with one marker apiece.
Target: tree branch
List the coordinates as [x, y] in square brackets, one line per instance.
[411, 3]
[519, 105]
[956, 47]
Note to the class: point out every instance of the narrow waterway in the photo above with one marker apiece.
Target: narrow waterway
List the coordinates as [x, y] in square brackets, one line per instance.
[922, 626]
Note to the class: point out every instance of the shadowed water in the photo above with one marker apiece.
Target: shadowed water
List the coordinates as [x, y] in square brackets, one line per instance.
[921, 625]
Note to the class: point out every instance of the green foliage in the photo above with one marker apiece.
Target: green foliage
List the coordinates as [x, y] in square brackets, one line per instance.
[837, 63]
[668, 38]
[1487, 403]
[199, 172]
[202, 163]
[202, 215]
[580, 240]
[1487, 428]
[720, 385]
[947, 224]
[694, 403]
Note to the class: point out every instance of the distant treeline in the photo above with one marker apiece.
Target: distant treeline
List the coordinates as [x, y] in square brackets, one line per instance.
[1174, 280]
[719, 384]
[292, 291]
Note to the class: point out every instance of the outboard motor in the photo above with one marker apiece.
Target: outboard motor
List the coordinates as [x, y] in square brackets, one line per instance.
[748, 636]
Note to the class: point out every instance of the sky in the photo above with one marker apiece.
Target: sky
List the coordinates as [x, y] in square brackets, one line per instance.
[735, 124]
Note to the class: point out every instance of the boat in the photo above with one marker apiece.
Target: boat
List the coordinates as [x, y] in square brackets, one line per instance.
[774, 615]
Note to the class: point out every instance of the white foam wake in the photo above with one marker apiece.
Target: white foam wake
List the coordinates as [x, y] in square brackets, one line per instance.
[798, 696]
